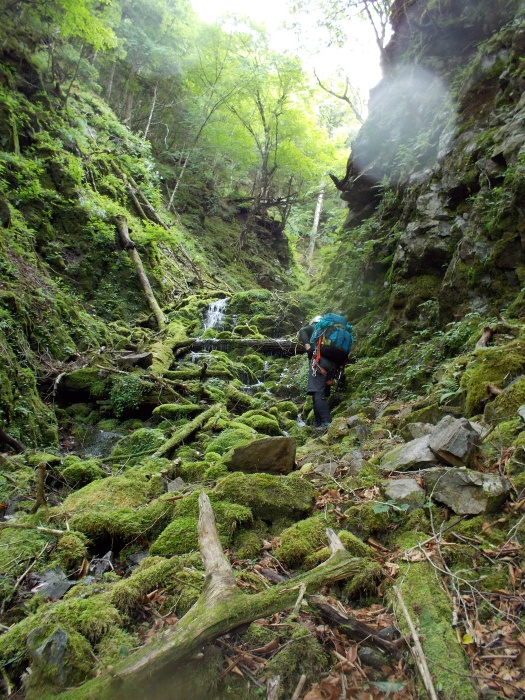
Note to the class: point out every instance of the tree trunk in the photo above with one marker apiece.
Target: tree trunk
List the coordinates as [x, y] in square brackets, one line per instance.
[315, 229]
[127, 244]
[220, 608]
[150, 117]
[109, 87]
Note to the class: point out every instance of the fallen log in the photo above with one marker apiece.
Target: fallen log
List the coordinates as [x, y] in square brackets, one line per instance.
[186, 431]
[11, 441]
[269, 346]
[122, 228]
[220, 608]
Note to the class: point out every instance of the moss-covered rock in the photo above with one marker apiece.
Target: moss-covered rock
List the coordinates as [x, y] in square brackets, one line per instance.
[365, 521]
[505, 405]
[180, 537]
[269, 497]
[71, 550]
[129, 450]
[78, 472]
[302, 539]
[494, 365]
[229, 438]
[301, 655]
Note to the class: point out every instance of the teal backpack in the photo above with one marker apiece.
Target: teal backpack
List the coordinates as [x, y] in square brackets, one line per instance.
[333, 338]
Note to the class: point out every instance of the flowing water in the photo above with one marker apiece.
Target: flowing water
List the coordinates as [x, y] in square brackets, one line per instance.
[214, 316]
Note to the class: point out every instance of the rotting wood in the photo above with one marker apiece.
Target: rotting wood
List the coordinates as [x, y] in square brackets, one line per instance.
[220, 608]
[187, 430]
[494, 390]
[283, 348]
[417, 649]
[127, 243]
[352, 627]
[486, 337]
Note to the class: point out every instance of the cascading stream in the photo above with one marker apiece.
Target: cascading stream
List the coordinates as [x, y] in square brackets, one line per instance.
[214, 316]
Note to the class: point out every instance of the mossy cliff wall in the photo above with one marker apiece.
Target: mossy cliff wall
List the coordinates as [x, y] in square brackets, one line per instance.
[67, 169]
[436, 178]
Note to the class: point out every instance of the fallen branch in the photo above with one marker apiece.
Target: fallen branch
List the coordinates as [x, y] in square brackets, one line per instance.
[486, 337]
[417, 650]
[352, 627]
[25, 526]
[186, 431]
[220, 608]
[11, 441]
[129, 245]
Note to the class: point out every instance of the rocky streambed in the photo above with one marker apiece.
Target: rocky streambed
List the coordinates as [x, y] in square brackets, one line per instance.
[414, 503]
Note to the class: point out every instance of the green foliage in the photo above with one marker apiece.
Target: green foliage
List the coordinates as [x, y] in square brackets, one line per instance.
[126, 393]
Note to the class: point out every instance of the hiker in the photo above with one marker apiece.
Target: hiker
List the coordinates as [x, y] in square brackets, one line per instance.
[327, 340]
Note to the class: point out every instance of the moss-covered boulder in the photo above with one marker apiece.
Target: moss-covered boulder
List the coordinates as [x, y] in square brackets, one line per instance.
[302, 539]
[492, 365]
[131, 448]
[269, 497]
[505, 405]
[78, 472]
[275, 455]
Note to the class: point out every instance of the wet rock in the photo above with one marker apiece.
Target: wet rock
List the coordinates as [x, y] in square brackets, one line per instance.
[415, 454]
[275, 455]
[411, 431]
[455, 441]
[53, 584]
[405, 491]
[465, 491]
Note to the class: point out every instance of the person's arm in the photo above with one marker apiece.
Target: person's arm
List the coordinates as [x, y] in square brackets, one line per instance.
[304, 336]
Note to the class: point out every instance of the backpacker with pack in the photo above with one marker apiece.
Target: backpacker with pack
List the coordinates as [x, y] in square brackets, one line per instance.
[332, 337]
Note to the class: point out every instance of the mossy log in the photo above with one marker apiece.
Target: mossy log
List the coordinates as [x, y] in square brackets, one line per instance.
[186, 431]
[430, 609]
[268, 346]
[220, 608]
[127, 244]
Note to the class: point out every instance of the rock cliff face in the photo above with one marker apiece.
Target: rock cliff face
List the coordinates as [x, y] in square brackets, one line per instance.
[436, 179]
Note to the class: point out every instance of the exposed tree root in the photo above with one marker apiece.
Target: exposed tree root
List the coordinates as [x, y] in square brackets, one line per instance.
[187, 430]
[220, 608]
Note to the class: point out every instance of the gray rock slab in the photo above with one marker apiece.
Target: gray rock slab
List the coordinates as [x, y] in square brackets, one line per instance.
[405, 491]
[353, 461]
[274, 455]
[412, 431]
[466, 491]
[53, 584]
[176, 484]
[454, 441]
[415, 454]
[328, 468]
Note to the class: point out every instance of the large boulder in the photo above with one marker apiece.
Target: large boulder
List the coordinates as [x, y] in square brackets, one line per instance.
[415, 454]
[465, 491]
[275, 455]
[455, 441]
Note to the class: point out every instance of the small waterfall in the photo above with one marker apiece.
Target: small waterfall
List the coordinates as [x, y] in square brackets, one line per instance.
[214, 316]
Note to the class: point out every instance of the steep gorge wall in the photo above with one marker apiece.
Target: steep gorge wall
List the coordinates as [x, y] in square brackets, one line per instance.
[436, 180]
[67, 169]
